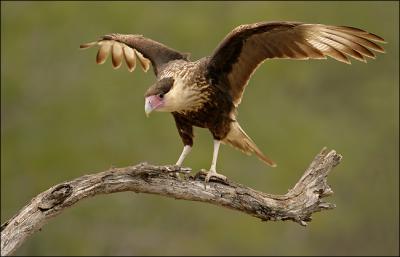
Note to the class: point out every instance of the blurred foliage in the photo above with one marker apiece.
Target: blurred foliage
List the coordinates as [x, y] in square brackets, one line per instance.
[62, 116]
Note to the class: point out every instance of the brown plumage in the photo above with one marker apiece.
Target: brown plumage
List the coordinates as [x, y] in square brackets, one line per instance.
[207, 92]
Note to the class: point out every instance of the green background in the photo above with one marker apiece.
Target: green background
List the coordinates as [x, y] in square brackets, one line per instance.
[63, 116]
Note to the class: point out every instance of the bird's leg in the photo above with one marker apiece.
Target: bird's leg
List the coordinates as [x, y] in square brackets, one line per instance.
[185, 152]
[213, 171]
[185, 130]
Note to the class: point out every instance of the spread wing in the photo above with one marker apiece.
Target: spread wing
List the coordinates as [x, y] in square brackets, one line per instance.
[247, 46]
[132, 48]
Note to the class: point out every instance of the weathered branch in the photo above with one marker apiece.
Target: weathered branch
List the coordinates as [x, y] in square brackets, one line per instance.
[297, 205]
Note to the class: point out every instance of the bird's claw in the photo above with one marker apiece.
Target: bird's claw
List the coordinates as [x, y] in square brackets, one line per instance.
[179, 170]
[176, 175]
[211, 174]
[214, 174]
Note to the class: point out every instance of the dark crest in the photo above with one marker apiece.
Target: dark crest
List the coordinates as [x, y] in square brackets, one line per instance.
[160, 87]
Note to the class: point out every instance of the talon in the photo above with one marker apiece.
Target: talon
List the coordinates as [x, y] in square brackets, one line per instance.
[176, 175]
[211, 174]
[207, 178]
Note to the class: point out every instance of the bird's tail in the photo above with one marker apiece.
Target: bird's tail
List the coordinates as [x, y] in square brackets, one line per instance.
[240, 140]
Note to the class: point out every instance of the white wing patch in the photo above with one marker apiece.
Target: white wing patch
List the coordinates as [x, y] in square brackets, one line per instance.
[119, 51]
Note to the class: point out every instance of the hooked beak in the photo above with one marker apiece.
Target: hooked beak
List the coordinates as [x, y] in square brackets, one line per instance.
[151, 103]
[148, 108]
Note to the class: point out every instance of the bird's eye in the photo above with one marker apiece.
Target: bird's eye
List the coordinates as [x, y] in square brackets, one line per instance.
[161, 95]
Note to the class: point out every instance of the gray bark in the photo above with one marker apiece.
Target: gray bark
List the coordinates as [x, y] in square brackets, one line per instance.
[297, 205]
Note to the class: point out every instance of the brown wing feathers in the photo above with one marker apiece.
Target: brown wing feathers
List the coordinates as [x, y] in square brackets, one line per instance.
[132, 48]
[245, 48]
[242, 50]
[119, 51]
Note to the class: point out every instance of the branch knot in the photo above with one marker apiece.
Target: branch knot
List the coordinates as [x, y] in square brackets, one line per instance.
[55, 197]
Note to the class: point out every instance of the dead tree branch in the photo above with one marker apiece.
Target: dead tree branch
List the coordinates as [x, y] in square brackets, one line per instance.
[297, 205]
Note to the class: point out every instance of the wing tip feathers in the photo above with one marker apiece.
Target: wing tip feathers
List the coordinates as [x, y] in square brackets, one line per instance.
[108, 44]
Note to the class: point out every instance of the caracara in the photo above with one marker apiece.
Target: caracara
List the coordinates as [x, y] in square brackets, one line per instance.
[206, 93]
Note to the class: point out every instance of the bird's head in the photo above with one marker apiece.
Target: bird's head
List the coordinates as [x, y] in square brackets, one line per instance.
[156, 98]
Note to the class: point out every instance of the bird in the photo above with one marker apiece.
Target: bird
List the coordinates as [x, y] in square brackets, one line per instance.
[206, 93]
